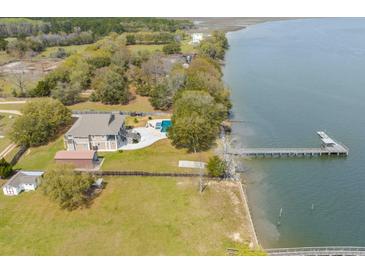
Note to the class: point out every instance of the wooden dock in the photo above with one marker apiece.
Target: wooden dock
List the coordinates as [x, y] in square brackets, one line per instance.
[329, 147]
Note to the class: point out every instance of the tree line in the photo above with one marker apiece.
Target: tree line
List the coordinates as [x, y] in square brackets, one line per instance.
[15, 27]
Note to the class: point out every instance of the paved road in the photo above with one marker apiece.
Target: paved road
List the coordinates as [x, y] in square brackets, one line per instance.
[12, 102]
[16, 112]
[7, 150]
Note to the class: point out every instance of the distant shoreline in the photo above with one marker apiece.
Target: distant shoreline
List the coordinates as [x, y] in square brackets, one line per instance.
[229, 24]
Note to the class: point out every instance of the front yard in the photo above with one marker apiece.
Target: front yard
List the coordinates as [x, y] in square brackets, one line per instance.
[132, 216]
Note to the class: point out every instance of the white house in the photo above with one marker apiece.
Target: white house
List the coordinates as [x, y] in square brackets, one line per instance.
[22, 181]
[196, 38]
[97, 131]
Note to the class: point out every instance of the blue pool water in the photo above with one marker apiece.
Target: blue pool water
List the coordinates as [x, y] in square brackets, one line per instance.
[165, 125]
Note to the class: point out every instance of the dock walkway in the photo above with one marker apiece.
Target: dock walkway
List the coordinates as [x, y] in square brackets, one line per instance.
[329, 147]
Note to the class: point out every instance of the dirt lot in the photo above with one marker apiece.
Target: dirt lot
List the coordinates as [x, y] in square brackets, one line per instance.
[27, 71]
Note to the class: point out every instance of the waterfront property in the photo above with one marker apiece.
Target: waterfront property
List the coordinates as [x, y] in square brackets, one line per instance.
[97, 131]
[329, 147]
[80, 159]
[22, 181]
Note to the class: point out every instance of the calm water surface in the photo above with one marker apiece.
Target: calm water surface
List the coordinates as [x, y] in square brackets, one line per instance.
[290, 79]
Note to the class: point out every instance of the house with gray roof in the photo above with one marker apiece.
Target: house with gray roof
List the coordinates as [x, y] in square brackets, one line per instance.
[22, 181]
[96, 131]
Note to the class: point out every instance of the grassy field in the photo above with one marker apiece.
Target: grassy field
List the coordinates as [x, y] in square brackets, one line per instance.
[40, 158]
[185, 47]
[132, 216]
[140, 103]
[47, 53]
[159, 157]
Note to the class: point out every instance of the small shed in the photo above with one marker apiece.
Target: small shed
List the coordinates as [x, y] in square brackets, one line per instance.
[80, 159]
[22, 181]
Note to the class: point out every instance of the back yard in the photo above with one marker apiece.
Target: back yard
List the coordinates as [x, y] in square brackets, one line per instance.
[132, 216]
[159, 157]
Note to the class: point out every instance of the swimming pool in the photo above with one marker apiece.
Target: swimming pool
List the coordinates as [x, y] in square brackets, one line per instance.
[165, 125]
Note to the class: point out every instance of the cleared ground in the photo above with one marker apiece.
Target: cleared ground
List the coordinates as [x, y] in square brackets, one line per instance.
[140, 103]
[132, 216]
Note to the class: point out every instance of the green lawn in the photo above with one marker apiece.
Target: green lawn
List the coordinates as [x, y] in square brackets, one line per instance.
[150, 48]
[140, 103]
[132, 216]
[159, 157]
[185, 47]
[40, 158]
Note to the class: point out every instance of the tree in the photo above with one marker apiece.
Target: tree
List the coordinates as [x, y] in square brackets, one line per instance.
[67, 93]
[131, 39]
[17, 47]
[172, 48]
[195, 120]
[161, 96]
[204, 74]
[6, 169]
[20, 83]
[192, 132]
[111, 87]
[66, 187]
[214, 46]
[42, 119]
[153, 68]
[44, 87]
[216, 167]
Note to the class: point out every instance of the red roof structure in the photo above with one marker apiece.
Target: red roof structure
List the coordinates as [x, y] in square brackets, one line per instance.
[75, 155]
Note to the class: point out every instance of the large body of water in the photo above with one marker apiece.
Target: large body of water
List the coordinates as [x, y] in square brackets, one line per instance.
[288, 80]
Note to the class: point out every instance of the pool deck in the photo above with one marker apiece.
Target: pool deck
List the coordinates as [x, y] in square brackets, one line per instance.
[149, 135]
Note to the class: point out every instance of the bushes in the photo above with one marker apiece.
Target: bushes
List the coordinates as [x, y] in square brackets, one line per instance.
[214, 46]
[149, 38]
[172, 48]
[6, 169]
[3, 44]
[216, 167]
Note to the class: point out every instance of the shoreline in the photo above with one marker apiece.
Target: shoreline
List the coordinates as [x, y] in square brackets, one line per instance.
[230, 24]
